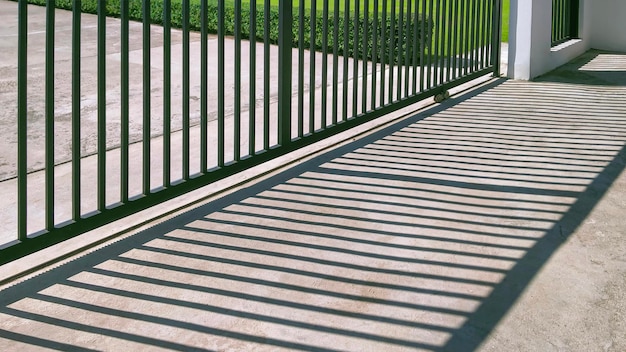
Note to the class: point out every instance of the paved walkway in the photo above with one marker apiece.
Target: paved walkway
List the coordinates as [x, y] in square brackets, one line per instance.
[492, 222]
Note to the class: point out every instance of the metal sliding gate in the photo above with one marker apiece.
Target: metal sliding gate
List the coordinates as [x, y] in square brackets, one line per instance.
[141, 101]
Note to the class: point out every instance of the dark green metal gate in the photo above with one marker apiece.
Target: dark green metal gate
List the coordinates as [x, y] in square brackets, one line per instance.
[564, 20]
[237, 84]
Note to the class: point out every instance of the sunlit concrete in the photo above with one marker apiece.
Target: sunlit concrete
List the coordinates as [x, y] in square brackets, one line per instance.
[491, 222]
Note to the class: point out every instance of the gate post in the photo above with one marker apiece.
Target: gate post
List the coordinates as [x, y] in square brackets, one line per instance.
[529, 37]
[285, 43]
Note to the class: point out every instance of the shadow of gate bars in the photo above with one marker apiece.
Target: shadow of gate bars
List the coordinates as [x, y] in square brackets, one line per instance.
[186, 93]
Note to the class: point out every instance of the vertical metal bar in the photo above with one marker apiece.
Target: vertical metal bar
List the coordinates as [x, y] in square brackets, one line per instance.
[574, 22]
[568, 19]
[427, 28]
[266, 73]
[567, 15]
[470, 35]
[434, 45]
[474, 50]
[335, 102]
[146, 97]
[562, 7]
[22, 116]
[565, 18]
[301, 69]
[167, 91]
[561, 19]
[186, 89]
[497, 28]
[324, 63]
[458, 38]
[565, 6]
[407, 56]
[252, 104]
[203, 85]
[312, 88]
[480, 28]
[458, 18]
[364, 48]
[423, 37]
[449, 30]
[559, 14]
[552, 24]
[374, 55]
[553, 27]
[383, 52]
[400, 49]
[392, 49]
[124, 102]
[101, 105]
[355, 59]
[480, 35]
[562, 12]
[346, 56]
[416, 19]
[433, 29]
[466, 37]
[76, 201]
[475, 31]
[486, 39]
[438, 42]
[49, 112]
[487, 32]
[285, 42]
[493, 31]
[220, 82]
[554, 20]
[237, 97]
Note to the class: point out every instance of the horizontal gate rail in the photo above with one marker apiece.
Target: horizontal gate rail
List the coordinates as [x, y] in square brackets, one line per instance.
[156, 111]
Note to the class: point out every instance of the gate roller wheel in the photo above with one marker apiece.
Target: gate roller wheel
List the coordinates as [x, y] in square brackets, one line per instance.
[439, 98]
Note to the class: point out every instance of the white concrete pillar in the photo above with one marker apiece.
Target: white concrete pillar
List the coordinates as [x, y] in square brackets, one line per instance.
[530, 44]
[609, 25]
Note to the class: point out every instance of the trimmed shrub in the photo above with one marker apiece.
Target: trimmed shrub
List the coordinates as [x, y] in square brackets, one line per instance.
[401, 38]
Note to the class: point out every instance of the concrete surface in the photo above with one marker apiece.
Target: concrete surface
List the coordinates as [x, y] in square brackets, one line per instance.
[531, 51]
[492, 222]
[62, 103]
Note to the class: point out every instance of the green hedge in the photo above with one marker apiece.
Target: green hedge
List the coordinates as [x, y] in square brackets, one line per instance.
[403, 40]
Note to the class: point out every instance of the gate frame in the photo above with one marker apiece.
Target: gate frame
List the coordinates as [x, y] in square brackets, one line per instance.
[57, 233]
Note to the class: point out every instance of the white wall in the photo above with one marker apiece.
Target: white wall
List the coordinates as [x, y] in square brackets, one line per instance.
[530, 27]
[609, 25]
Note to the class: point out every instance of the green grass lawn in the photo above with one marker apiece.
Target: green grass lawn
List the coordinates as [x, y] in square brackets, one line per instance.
[505, 20]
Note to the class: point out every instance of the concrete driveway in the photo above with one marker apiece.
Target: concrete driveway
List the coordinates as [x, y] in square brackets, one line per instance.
[493, 222]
